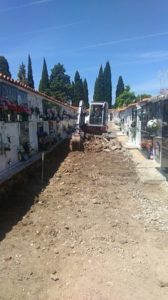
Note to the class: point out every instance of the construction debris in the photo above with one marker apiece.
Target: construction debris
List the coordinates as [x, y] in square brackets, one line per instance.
[101, 143]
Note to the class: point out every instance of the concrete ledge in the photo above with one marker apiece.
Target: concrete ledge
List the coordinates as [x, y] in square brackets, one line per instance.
[148, 170]
[20, 166]
[129, 146]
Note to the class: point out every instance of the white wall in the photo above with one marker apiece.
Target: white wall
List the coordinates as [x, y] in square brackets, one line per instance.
[35, 101]
[46, 126]
[33, 135]
[9, 131]
[138, 134]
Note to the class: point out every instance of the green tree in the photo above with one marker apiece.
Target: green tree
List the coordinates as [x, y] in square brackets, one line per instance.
[107, 85]
[85, 93]
[30, 81]
[120, 87]
[78, 89]
[22, 73]
[125, 98]
[60, 85]
[142, 96]
[99, 87]
[72, 92]
[95, 95]
[44, 85]
[4, 66]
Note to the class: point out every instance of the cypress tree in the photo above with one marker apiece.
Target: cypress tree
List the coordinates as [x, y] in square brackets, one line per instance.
[22, 73]
[44, 82]
[78, 89]
[72, 92]
[99, 87]
[95, 95]
[107, 85]
[85, 93]
[120, 87]
[4, 66]
[30, 81]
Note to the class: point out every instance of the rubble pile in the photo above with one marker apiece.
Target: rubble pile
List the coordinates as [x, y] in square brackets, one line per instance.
[100, 143]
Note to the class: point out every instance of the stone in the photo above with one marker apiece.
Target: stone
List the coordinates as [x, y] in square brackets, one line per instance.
[95, 201]
[163, 283]
[56, 251]
[54, 276]
[7, 258]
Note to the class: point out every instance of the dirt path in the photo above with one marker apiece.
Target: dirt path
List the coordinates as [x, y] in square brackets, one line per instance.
[92, 233]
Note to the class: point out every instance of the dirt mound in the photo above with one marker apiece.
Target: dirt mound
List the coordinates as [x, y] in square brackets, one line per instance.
[100, 143]
[77, 238]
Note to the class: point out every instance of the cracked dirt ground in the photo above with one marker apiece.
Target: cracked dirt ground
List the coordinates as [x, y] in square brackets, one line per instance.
[87, 234]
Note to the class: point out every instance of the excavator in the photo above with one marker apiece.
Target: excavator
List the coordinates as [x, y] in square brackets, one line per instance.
[94, 123]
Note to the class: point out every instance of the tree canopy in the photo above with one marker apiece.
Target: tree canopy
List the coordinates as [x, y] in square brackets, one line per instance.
[60, 85]
[120, 87]
[103, 85]
[4, 66]
[30, 81]
[85, 93]
[125, 98]
[107, 85]
[44, 82]
[142, 96]
[78, 89]
[99, 87]
[22, 73]
[57, 85]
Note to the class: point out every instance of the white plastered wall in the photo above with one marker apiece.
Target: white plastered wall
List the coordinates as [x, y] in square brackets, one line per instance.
[46, 127]
[10, 135]
[33, 135]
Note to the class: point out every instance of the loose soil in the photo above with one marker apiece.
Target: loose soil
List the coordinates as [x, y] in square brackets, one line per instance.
[92, 231]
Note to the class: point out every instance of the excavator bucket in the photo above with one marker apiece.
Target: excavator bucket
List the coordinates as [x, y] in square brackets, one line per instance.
[75, 142]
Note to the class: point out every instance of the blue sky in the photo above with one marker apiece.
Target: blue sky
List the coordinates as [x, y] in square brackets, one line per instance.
[132, 35]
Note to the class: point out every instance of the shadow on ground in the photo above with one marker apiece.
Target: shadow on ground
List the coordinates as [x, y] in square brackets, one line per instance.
[163, 172]
[20, 193]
